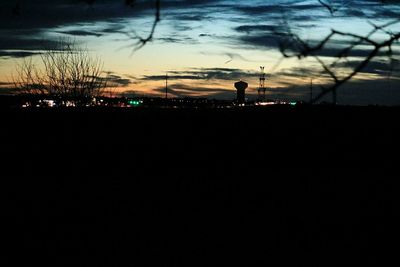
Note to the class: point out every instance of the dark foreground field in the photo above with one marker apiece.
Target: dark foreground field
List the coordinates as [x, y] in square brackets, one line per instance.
[158, 187]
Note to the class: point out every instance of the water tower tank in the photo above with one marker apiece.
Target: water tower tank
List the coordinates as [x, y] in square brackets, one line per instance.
[241, 91]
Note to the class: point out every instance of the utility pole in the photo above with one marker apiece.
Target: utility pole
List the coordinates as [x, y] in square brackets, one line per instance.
[311, 91]
[166, 86]
[261, 88]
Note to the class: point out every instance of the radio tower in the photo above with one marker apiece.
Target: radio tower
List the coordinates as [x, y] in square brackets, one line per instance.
[262, 89]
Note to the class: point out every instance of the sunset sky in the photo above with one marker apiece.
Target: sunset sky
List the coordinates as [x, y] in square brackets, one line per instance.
[205, 46]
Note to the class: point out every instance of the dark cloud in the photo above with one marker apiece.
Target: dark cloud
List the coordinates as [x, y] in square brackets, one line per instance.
[190, 17]
[182, 28]
[387, 14]
[257, 28]
[298, 72]
[22, 44]
[80, 33]
[206, 35]
[7, 91]
[205, 74]
[177, 40]
[48, 14]
[224, 73]
[16, 54]
[313, 11]
[185, 90]
[355, 13]
[278, 8]
[4, 84]
[34, 17]
[114, 80]
[261, 41]
[115, 28]
[173, 76]
[374, 67]
[41, 14]
[23, 30]
[27, 29]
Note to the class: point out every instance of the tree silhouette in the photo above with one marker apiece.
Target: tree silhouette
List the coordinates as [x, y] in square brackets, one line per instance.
[66, 73]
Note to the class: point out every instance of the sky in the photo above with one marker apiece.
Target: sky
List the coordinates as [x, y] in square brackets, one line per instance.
[205, 46]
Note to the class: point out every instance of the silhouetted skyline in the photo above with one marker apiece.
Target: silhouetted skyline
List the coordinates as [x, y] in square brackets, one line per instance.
[205, 46]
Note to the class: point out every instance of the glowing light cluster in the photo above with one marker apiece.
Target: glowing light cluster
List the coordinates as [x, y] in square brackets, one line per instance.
[135, 103]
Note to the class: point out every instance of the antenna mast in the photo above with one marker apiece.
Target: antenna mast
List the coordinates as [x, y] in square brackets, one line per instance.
[262, 89]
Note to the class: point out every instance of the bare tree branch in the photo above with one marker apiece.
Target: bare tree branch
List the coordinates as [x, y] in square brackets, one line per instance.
[295, 46]
[330, 8]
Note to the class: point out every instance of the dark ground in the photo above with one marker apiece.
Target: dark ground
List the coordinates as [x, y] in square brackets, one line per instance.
[157, 187]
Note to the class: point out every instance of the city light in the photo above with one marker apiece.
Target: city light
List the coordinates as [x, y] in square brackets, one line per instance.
[265, 103]
[135, 102]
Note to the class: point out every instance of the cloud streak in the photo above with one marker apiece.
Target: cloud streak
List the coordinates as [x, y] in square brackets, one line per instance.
[205, 74]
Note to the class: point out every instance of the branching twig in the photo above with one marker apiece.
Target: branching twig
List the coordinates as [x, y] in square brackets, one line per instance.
[143, 41]
[330, 8]
[339, 82]
[305, 50]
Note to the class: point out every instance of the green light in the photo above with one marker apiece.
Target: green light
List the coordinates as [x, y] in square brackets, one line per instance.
[293, 103]
[134, 102]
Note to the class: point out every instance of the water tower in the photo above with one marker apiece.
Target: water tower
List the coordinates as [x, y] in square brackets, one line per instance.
[241, 91]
